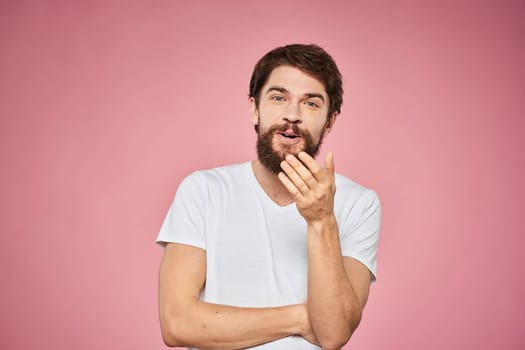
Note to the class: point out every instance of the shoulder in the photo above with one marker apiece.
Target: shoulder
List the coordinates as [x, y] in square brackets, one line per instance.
[348, 188]
[351, 194]
[226, 172]
[224, 175]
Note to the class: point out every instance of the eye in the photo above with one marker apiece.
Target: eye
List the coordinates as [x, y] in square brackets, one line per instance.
[312, 104]
[277, 98]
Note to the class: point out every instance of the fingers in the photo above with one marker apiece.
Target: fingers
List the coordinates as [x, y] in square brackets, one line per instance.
[308, 168]
[294, 191]
[312, 165]
[311, 186]
[298, 173]
[292, 178]
[305, 174]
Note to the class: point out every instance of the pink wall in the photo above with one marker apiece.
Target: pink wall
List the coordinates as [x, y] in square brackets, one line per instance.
[105, 107]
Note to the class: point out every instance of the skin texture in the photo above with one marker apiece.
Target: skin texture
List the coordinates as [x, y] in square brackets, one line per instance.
[337, 286]
[187, 321]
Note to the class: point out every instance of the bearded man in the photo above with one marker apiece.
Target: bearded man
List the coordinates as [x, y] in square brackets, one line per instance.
[268, 254]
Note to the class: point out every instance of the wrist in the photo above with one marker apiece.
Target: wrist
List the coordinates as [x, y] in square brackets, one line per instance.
[324, 224]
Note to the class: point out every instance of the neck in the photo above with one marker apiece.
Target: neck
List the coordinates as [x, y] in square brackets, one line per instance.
[271, 184]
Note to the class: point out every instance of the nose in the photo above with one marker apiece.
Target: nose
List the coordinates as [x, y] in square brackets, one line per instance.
[292, 113]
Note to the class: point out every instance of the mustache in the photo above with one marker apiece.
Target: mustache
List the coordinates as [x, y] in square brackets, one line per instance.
[285, 127]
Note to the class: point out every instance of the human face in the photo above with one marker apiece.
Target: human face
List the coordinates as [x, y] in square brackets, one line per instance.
[291, 116]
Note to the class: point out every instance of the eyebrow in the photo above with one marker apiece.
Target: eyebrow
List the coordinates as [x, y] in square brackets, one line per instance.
[285, 91]
[278, 89]
[313, 95]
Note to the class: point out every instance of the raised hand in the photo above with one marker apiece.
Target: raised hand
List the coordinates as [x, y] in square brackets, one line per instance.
[312, 187]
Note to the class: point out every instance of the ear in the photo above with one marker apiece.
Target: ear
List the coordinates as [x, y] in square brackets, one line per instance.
[254, 113]
[330, 124]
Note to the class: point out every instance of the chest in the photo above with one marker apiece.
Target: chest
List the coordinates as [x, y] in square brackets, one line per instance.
[257, 250]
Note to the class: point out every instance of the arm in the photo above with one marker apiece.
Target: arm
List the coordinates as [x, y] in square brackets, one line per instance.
[337, 286]
[187, 321]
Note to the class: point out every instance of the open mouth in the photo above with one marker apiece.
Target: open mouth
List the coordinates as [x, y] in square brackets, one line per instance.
[289, 135]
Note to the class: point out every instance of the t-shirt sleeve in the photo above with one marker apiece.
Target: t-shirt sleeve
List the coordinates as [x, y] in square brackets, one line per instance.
[184, 222]
[360, 235]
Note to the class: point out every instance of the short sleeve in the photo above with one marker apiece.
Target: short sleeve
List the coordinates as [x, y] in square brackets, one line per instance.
[361, 231]
[184, 222]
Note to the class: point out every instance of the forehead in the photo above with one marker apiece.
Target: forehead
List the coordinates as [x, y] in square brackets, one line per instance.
[295, 81]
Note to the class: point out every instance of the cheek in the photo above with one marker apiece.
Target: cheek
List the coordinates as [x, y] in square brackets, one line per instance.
[269, 115]
[317, 135]
[316, 125]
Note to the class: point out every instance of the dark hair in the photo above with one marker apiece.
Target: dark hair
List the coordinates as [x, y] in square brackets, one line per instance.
[310, 59]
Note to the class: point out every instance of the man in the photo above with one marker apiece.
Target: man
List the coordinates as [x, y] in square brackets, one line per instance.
[267, 253]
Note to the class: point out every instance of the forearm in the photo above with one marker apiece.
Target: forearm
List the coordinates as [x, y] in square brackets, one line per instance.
[211, 326]
[333, 306]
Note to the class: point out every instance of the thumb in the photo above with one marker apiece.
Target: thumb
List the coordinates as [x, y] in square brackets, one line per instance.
[329, 162]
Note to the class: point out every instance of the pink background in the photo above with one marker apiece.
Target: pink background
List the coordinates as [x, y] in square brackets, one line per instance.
[106, 106]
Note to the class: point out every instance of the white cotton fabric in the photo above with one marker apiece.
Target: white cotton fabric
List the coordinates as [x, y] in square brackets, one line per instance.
[256, 249]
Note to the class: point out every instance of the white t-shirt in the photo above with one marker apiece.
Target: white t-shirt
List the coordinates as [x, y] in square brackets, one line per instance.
[256, 249]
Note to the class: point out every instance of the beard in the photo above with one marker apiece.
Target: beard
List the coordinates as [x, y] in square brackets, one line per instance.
[271, 158]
